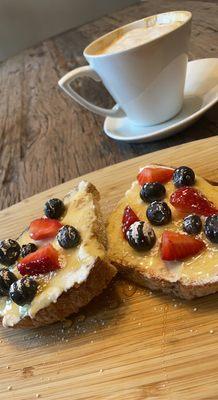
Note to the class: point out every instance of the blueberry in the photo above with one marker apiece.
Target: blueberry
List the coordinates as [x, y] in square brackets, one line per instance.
[68, 237]
[9, 251]
[6, 279]
[159, 213]
[141, 236]
[23, 291]
[152, 191]
[27, 249]
[211, 228]
[54, 208]
[183, 176]
[192, 224]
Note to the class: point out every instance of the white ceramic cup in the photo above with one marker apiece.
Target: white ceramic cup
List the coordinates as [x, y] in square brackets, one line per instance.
[146, 81]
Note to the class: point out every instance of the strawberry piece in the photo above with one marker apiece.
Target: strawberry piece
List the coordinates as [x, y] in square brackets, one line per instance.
[177, 246]
[191, 200]
[44, 228]
[41, 261]
[129, 217]
[154, 174]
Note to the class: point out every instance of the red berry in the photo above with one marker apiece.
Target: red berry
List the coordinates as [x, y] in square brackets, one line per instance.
[129, 217]
[154, 174]
[44, 228]
[177, 246]
[40, 262]
[191, 200]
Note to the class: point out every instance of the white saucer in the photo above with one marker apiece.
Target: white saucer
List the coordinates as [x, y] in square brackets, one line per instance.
[201, 93]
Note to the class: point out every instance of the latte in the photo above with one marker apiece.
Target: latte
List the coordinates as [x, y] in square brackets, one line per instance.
[138, 36]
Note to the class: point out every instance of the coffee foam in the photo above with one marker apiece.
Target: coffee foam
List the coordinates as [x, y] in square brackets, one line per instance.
[135, 37]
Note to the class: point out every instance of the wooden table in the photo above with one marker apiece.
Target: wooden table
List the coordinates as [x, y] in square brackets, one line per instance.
[45, 138]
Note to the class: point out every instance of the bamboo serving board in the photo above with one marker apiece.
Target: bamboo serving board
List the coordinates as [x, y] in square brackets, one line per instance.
[129, 343]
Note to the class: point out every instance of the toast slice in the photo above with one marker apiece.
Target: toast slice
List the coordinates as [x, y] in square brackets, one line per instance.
[191, 277]
[85, 270]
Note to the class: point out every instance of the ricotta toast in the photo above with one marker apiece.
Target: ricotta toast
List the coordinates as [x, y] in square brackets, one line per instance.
[163, 234]
[58, 264]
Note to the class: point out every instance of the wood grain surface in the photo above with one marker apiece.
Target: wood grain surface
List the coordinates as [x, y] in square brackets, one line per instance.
[129, 343]
[45, 138]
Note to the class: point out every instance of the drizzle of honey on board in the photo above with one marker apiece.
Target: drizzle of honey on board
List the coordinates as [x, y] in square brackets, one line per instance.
[125, 289]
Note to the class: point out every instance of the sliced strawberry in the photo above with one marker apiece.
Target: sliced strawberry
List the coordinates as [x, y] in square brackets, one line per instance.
[40, 262]
[177, 246]
[154, 174]
[44, 228]
[129, 217]
[191, 200]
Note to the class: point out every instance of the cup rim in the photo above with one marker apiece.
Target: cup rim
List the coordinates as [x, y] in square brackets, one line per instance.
[103, 55]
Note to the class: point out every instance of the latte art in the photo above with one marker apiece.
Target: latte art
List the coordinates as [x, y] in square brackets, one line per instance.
[137, 36]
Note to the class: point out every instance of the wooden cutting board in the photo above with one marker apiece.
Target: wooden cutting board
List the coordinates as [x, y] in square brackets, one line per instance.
[130, 343]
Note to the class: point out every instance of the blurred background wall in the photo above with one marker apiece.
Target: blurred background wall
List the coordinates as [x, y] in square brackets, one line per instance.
[25, 22]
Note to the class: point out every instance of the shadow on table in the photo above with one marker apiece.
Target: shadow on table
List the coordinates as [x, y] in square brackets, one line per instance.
[101, 313]
[102, 317]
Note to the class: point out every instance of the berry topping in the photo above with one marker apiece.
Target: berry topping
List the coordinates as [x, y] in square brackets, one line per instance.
[188, 199]
[54, 208]
[9, 251]
[192, 224]
[23, 291]
[40, 262]
[129, 217]
[183, 176]
[178, 246]
[152, 191]
[211, 228]
[27, 249]
[141, 236]
[6, 279]
[159, 213]
[68, 237]
[44, 228]
[154, 174]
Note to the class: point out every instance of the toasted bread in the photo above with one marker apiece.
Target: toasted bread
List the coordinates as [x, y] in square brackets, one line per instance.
[85, 272]
[190, 278]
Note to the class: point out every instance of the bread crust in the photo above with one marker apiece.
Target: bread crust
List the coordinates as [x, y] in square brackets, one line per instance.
[101, 273]
[71, 301]
[153, 282]
[177, 289]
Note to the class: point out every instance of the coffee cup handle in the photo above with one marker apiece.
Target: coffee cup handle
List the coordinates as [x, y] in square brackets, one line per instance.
[66, 80]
